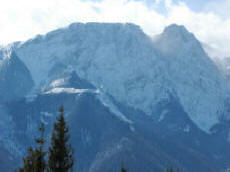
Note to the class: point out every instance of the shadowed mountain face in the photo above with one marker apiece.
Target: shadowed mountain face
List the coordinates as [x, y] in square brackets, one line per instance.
[102, 140]
[127, 98]
[15, 78]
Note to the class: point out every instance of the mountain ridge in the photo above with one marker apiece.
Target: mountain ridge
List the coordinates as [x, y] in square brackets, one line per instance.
[92, 49]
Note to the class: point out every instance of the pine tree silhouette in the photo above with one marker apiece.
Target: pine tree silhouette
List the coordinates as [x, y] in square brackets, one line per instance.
[35, 159]
[28, 161]
[40, 163]
[170, 169]
[60, 151]
[122, 168]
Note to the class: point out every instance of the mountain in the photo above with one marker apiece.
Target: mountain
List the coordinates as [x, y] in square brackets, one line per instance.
[15, 78]
[149, 103]
[194, 76]
[138, 75]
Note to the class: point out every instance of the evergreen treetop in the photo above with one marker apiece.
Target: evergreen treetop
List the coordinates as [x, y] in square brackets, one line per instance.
[60, 151]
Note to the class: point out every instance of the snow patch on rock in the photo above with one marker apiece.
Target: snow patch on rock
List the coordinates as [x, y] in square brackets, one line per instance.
[66, 90]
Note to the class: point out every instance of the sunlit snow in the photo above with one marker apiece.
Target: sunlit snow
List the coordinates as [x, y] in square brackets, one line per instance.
[131, 68]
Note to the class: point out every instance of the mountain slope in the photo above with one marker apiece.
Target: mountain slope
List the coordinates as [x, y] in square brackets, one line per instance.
[129, 66]
[196, 79]
[142, 144]
[15, 78]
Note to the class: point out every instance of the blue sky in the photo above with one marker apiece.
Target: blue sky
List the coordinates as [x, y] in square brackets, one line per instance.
[195, 5]
[209, 20]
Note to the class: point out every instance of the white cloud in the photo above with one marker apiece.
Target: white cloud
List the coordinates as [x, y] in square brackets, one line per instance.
[220, 7]
[20, 20]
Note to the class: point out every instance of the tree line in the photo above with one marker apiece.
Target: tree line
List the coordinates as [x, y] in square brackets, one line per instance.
[59, 156]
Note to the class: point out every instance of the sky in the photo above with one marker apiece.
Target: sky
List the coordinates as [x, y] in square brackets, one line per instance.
[209, 20]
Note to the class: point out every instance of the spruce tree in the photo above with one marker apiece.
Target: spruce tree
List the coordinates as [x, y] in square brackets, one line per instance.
[35, 159]
[60, 151]
[40, 162]
[28, 161]
[170, 169]
[122, 168]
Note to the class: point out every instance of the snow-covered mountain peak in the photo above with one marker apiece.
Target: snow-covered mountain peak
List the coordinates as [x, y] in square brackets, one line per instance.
[130, 67]
[195, 77]
[67, 46]
[175, 40]
[180, 31]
